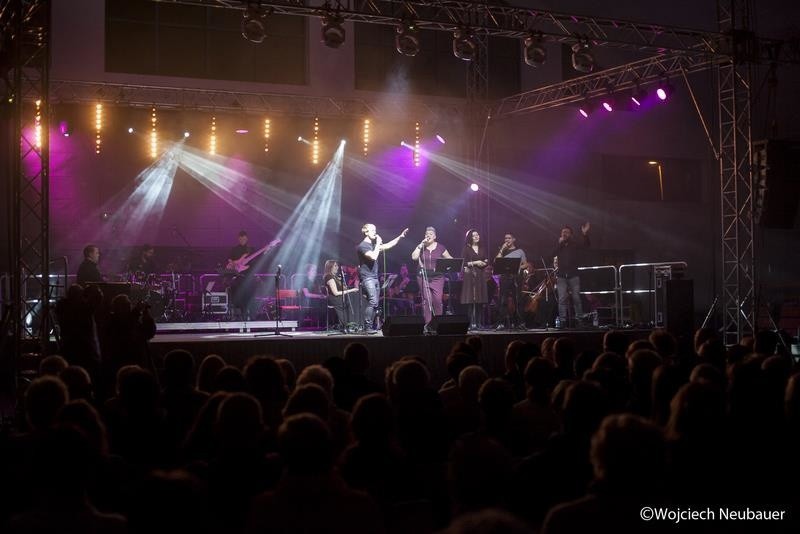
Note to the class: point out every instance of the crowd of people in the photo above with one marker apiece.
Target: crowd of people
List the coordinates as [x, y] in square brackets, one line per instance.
[561, 442]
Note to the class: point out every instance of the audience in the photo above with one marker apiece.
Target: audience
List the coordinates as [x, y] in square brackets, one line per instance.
[563, 441]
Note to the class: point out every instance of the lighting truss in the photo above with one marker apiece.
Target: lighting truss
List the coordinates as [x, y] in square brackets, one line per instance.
[621, 78]
[79, 92]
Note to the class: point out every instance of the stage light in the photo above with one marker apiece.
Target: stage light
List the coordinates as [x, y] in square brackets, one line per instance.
[98, 126]
[252, 23]
[474, 187]
[37, 121]
[212, 143]
[130, 130]
[186, 134]
[267, 132]
[607, 105]
[300, 139]
[440, 138]
[417, 136]
[406, 42]
[464, 45]
[585, 108]
[343, 142]
[582, 58]
[315, 143]
[65, 128]
[241, 131]
[534, 51]
[333, 34]
[665, 89]
[365, 137]
[153, 134]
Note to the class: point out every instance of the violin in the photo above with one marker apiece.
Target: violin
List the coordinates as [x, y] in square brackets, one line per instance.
[537, 295]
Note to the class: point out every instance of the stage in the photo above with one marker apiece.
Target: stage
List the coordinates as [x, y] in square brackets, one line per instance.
[310, 347]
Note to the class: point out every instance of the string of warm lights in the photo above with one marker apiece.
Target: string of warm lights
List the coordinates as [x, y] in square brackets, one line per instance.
[416, 143]
[38, 124]
[98, 125]
[315, 143]
[266, 134]
[153, 134]
[366, 137]
[212, 146]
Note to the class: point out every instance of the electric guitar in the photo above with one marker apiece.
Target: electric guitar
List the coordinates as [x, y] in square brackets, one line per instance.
[241, 264]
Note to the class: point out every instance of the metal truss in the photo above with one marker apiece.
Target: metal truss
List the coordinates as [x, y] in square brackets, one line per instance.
[79, 92]
[26, 24]
[498, 20]
[736, 184]
[621, 78]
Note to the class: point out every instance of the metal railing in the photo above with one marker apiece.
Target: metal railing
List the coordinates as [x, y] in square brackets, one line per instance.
[613, 291]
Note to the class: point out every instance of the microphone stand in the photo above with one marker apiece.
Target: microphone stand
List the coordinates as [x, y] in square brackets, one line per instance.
[277, 331]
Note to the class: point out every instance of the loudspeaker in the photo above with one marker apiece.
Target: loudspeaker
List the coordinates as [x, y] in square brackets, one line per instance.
[679, 308]
[776, 183]
[403, 326]
[450, 324]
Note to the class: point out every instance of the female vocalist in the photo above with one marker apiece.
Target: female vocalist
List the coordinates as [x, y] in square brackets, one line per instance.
[336, 291]
[473, 291]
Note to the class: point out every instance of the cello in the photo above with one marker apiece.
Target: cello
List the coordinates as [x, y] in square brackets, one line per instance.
[541, 291]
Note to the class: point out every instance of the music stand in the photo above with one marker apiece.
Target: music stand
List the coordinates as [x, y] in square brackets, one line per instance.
[448, 266]
[509, 267]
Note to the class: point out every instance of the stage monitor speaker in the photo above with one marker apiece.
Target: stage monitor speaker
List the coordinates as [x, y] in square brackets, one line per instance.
[450, 324]
[403, 326]
[679, 308]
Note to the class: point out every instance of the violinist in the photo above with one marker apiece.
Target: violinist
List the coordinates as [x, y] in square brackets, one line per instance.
[474, 291]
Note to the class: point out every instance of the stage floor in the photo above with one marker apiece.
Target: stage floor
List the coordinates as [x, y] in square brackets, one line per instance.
[311, 347]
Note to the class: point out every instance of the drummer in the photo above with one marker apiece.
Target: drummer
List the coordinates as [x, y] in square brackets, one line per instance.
[142, 261]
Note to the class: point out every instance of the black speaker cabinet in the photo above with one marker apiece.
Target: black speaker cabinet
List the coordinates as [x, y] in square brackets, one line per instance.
[403, 326]
[679, 307]
[450, 325]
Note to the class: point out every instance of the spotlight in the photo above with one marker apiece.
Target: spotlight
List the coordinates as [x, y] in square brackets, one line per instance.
[464, 45]
[344, 142]
[406, 42]
[299, 138]
[186, 134]
[242, 131]
[665, 89]
[440, 138]
[534, 51]
[333, 33]
[474, 187]
[130, 130]
[608, 101]
[65, 128]
[582, 58]
[585, 108]
[252, 25]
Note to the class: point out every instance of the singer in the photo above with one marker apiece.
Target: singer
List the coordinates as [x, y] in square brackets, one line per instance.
[508, 296]
[431, 282]
[369, 250]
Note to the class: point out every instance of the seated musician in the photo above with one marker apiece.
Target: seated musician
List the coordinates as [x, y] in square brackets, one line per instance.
[336, 292]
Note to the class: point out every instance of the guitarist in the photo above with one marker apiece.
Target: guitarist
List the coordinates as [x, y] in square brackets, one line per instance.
[242, 289]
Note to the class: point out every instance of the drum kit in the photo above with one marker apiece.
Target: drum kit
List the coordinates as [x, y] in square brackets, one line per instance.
[157, 292]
